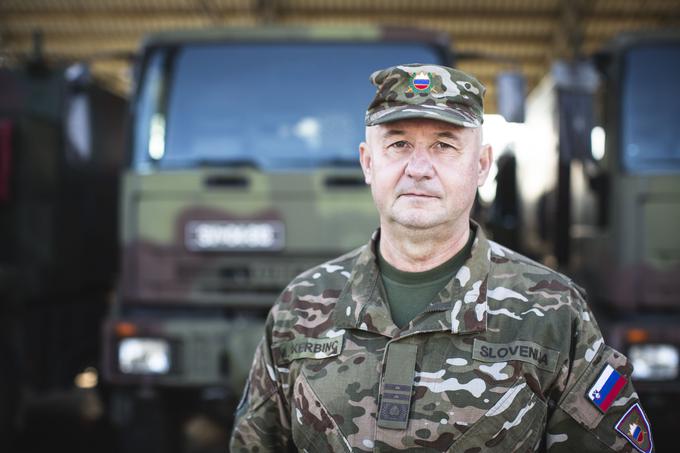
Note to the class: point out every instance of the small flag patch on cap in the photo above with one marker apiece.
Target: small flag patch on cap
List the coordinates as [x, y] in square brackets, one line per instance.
[606, 388]
[421, 82]
[634, 426]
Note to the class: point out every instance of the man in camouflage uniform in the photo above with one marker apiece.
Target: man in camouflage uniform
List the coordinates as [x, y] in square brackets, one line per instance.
[505, 357]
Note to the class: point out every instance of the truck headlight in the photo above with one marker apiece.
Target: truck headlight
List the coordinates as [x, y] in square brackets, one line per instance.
[144, 356]
[654, 361]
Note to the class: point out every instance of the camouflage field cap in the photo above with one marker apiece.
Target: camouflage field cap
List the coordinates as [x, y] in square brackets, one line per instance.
[426, 91]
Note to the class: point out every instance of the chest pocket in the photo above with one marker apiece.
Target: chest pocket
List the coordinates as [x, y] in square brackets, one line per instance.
[462, 403]
[515, 423]
[332, 398]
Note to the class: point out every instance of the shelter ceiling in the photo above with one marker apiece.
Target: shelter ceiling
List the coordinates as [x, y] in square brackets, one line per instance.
[522, 34]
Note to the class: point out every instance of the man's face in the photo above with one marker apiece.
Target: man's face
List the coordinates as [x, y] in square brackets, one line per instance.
[424, 173]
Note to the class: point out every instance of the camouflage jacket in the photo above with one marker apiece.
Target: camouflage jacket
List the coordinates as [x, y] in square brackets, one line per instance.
[508, 358]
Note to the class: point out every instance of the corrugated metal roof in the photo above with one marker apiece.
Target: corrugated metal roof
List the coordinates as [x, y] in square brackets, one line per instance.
[530, 32]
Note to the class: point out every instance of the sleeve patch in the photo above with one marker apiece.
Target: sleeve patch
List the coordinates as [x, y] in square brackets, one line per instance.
[606, 388]
[634, 427]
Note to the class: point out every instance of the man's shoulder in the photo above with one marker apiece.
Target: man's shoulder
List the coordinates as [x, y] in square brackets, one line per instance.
[331, 274]
[305, 306]
[534, 281]
[507, 259]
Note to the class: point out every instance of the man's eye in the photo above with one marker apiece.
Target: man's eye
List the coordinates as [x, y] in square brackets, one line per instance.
[399, 145]
[445, 146]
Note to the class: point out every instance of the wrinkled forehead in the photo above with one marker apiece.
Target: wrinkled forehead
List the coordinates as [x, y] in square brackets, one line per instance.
[419, 126]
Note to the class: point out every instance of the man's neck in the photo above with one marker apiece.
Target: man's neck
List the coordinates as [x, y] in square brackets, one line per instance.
[412, 251]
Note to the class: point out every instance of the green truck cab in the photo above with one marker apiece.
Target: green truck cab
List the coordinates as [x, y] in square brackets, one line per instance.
[243, 172]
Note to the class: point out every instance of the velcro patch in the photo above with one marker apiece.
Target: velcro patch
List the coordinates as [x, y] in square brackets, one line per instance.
[606, 388]
[634, 426]
[524, 351]
[310, 348]
[395, 400]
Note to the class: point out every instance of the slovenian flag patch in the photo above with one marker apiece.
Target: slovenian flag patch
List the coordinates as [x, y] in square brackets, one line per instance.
[606, 388]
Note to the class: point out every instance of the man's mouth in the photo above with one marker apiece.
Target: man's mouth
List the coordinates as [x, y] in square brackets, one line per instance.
[418, 194]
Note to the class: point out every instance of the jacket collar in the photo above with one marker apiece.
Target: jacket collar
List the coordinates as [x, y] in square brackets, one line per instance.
[461, 308]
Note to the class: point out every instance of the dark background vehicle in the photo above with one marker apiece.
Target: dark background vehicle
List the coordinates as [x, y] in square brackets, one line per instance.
[597, 195]
[60, 141]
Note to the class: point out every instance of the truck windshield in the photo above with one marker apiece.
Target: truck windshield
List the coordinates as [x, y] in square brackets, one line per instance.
[651, 109]
[270, 106]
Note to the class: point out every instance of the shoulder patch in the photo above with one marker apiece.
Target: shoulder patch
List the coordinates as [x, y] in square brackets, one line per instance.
[634, 426]
[606, 388]
[310, 348]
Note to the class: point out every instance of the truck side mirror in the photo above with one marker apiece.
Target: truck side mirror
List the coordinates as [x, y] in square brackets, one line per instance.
[78, 77]
[77, 115]
[510, 93]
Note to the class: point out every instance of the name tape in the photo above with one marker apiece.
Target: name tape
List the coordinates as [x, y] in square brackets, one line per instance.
[310, 348]
[524, 351]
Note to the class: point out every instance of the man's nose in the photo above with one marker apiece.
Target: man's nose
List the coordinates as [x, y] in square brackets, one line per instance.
[419, 165]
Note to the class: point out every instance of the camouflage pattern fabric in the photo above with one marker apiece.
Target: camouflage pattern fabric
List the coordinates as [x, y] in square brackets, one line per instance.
[504, 360]
[426, 91]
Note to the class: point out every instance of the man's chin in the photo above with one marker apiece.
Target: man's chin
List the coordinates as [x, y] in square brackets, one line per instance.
[418, 221]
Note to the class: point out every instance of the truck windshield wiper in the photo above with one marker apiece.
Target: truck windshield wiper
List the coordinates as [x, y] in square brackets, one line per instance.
[240, 162]
[183, 162]
[338, 162]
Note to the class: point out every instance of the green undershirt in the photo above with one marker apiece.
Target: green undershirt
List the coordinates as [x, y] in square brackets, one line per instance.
[409, 293]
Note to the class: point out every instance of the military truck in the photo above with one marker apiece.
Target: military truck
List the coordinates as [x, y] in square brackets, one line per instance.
[243, 172]
[598, 189]
[61, 137]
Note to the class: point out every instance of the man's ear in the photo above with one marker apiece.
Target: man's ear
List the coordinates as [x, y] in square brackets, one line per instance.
[366, 160]
[485, 161]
